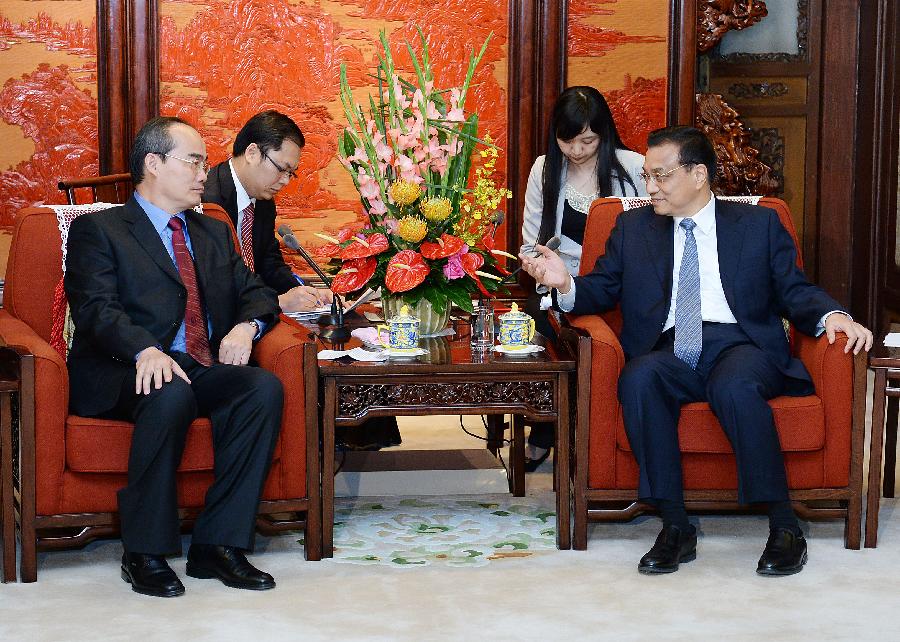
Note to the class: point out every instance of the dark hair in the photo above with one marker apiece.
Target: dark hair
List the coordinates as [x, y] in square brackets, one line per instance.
[268, 129]
[153, 138]
[694, 148]
[575, 109]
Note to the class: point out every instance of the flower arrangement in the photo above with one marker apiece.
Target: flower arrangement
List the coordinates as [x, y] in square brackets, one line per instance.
[428, 235]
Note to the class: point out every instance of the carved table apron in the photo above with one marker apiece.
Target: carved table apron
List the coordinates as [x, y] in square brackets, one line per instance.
[454, 383]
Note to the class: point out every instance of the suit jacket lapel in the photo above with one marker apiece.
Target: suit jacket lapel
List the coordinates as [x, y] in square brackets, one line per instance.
[660, 250]
[729, 240]
[146, 234]
[229, 192]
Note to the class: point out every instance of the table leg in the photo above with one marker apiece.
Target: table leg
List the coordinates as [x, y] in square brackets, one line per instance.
[7, 516]
[561, 464]
[873, 495]
[517, 456]
[328, 413]
[890, 446]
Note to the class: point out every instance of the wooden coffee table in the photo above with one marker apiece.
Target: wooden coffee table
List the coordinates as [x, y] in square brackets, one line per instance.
[449, 380]
[885, 395]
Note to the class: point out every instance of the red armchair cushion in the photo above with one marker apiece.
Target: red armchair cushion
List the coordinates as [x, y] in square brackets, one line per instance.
[800, 422]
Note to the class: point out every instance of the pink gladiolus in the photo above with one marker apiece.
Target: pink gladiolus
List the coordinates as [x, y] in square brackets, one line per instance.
[359, 156]
[377, 207]
[391, 224]
[368, 188]
[431, 111]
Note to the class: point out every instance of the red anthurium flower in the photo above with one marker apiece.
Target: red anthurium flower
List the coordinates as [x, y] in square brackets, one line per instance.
[405, 271]
[446, 246]
[333, 249]
[364, 245]
[354, 274]
[471, 262]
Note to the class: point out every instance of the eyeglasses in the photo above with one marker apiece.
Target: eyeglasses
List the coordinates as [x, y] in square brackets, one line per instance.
[660, 177]
[199, 165]
[287, 171]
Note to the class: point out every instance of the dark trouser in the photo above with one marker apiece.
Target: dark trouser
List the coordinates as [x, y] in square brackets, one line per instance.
[737, 379]
[244, 404]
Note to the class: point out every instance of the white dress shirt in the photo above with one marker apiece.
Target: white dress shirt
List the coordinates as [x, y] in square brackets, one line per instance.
[243, 199]
[713, 305]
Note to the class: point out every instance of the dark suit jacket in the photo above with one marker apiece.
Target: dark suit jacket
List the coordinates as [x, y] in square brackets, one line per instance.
[757, 263]
[267, 259]
[125, 295]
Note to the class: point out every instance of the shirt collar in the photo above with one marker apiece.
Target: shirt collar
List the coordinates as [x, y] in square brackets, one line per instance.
[158, 217]
[705, 218]
[243, 199]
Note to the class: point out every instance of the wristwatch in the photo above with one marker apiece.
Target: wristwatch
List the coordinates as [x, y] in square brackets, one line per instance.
[255, 325]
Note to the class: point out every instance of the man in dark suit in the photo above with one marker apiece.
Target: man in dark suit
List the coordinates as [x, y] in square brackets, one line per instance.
[266, 154]
[165, 317]
[703, 286]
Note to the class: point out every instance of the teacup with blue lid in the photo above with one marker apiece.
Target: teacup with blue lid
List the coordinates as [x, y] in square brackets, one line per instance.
[402, 332]
[516, 329]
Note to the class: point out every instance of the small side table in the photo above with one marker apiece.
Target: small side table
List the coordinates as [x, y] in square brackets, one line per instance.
[885, 398]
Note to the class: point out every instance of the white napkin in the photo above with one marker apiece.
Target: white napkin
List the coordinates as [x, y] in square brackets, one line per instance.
[892, 340]
[360, 354]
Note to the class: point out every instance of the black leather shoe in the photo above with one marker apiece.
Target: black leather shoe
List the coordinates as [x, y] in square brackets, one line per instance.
[673, 546]
[150, 575]
[532, 465]
[227, 564]
[785, 553]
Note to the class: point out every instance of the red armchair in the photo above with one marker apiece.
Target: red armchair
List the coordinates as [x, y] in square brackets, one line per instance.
[70, 467]
[821, 435]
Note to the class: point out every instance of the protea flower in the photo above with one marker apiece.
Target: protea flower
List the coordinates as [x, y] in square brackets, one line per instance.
[412, 229]
[436, 209]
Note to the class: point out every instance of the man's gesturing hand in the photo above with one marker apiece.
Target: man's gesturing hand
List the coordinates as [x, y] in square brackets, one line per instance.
[154, 365]
[546, 268]
[236, 346]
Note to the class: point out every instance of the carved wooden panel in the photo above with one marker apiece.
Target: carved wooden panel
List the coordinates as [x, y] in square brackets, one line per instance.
[717, 17]
[740, 171]
[354, 399]
[48, 104]
[621, 48]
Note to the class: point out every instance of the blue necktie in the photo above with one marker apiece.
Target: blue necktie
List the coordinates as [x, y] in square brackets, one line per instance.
[688, 318]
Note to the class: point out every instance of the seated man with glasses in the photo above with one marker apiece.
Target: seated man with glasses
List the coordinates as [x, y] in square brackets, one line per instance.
[165, 316]
[266, 153]
[703, 285]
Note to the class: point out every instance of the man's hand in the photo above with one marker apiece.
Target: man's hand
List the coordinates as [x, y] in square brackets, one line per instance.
[858, 337]
[238, 343]
[154, 365]
[303, 298]
[547, 268]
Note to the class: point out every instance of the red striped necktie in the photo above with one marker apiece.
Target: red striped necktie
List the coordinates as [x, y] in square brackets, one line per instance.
[247, 236]
[196, 337]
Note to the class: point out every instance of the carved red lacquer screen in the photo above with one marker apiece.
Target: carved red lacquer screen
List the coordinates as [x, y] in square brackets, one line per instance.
[621, 48]
[221, 61]
[48, 103]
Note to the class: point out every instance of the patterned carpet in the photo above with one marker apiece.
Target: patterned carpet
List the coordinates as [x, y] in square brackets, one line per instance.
[450, 531]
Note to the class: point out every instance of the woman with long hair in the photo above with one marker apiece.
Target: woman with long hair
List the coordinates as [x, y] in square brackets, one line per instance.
[585, 160]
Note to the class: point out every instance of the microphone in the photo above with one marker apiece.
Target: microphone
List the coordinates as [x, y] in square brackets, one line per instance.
[338, 333]
[552, 244]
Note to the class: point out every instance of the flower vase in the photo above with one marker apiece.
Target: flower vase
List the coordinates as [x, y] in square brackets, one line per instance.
[430, 322]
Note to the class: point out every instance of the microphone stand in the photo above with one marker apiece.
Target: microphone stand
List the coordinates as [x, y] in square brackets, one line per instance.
[336, 332]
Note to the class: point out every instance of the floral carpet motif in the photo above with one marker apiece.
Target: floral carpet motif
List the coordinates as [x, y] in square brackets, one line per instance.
[451, 531]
